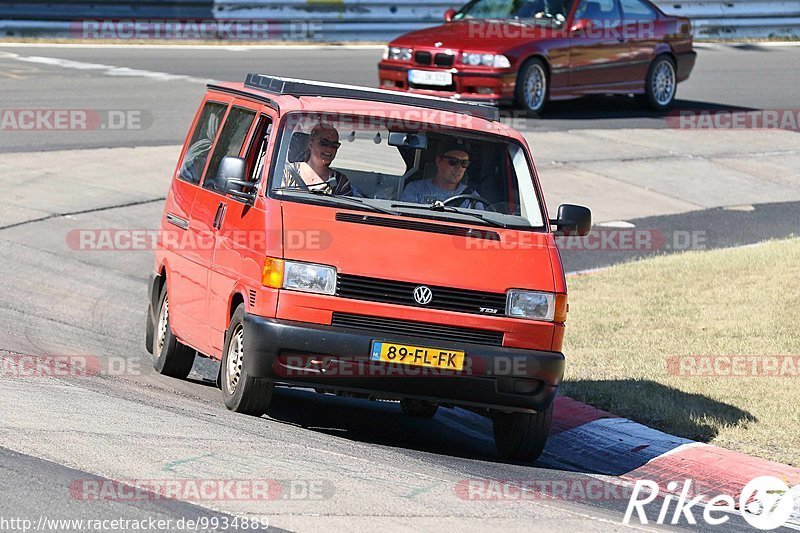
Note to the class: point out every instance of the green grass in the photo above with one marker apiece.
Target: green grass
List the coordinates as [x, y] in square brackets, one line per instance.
[625, 322]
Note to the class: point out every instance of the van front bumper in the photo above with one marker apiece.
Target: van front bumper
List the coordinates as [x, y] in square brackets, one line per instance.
[338, 359]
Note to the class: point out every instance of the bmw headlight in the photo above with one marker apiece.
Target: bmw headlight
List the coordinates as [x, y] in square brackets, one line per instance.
[397, 53]
[485, 60]
[309, 277]
[534, 305]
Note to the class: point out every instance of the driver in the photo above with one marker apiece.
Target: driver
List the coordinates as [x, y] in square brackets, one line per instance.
[452, 162]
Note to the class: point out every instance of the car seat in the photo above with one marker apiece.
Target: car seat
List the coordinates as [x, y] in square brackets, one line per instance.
[298, 147]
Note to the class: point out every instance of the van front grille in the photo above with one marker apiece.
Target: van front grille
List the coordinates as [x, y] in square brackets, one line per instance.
[425, 330]
[402, 293]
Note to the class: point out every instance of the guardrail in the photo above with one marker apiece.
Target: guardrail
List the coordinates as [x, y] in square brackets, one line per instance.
[735, 19]
[364, 20]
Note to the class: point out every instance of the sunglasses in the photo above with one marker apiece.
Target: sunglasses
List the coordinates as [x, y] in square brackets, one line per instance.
[325, 143]
[454, 161]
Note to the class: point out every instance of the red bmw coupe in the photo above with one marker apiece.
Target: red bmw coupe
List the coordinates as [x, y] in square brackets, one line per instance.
[527, 52]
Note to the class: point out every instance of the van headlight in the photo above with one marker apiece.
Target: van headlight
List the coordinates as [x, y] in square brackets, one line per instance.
[534, 305]
[309, 277]
[296, 276]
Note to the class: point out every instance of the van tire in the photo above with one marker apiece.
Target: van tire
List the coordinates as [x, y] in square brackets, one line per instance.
[171, 357]
[418, 408]
[241, 392]
[521, 436]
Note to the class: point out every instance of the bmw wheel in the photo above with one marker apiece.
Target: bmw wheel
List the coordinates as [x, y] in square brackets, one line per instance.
[531, 91]
[661, 84]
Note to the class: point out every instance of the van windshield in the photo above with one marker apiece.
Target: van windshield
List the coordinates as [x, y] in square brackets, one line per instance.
[405, 169]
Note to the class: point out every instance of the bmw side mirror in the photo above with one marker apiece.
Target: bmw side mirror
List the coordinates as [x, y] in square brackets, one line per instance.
[573, 220]
[231, 173]
[449, 14]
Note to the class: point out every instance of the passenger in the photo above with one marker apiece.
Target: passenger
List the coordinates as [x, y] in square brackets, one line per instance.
[451, 164]
[315, 172]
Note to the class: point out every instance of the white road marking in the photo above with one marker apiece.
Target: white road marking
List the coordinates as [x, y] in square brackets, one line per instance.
[616, 224]
[108, 70]
[230, 48]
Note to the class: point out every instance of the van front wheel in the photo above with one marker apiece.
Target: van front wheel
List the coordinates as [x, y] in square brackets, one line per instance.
[521, 436]
[241, 392]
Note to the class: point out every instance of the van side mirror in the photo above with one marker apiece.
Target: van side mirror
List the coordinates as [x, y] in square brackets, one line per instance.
[449, 14]
[231, 173]
[573, 220]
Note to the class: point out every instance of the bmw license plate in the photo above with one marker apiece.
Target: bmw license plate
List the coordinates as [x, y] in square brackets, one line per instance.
[428, 77]
[417, 356]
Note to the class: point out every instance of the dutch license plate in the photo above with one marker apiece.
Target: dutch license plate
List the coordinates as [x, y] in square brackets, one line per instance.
[427, 77]
[417, 356]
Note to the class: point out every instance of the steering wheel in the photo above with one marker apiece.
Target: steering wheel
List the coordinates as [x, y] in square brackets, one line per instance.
[473, 201]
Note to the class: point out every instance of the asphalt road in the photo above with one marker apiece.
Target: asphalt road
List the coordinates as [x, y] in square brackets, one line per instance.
[725, 77]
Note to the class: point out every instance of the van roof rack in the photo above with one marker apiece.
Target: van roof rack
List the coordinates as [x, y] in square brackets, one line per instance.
[295, 87]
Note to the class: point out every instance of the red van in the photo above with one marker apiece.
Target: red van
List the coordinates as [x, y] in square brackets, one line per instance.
[367, 243]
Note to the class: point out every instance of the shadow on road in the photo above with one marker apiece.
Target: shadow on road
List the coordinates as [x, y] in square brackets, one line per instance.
[620, 107]
[377, 422]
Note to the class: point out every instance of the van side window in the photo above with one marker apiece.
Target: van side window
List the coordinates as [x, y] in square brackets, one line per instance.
[194, 161]
[230, 142]
[257, 152]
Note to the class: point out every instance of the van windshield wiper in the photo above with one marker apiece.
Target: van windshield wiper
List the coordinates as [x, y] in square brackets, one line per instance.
[437, 206]
[339, 197]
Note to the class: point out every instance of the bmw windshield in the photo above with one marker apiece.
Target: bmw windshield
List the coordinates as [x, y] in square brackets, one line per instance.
[552, 11]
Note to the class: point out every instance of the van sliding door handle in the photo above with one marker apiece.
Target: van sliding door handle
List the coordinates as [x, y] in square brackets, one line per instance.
[219, 216]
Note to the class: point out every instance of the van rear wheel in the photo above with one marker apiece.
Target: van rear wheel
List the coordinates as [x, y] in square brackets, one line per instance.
[171, 357]
[522, 436]
[241, 392]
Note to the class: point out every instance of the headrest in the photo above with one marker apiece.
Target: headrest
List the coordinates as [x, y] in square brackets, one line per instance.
[297, 147]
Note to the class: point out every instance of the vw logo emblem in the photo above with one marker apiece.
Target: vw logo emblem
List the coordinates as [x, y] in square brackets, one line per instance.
[423, 295]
